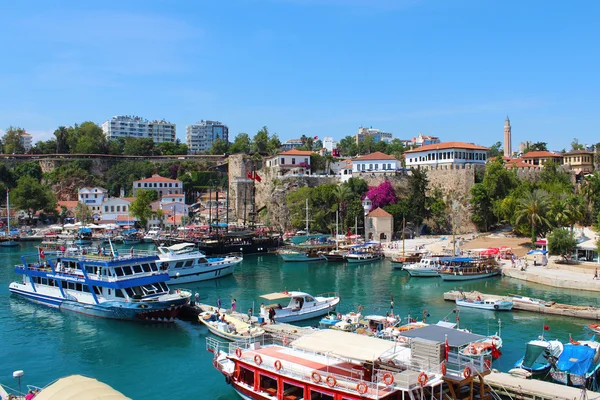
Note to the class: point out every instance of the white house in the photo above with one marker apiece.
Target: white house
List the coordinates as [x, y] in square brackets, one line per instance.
[116, 207]
[161, 185]
[173, 198]
[377, 162]
[296, 162]
[448, 153]
[93, 197]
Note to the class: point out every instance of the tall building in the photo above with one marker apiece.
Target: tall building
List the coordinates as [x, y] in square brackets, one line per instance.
[329, 144]
[507, 138]
[423, 140]
[378, 135]
[202, 135]
[26, 141]
[291, 144]
[123, 126]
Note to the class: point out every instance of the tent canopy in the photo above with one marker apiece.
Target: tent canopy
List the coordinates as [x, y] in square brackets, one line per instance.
[344, 345]
[438, 334]
[77, 387]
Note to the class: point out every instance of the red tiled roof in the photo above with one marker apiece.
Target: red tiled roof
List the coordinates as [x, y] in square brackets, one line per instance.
[448, 145]
[157, 178]
[126, 218]
[376, 156]
[379, 212]
[541, 154]
[519, 163]
[572, 152]
[294, 152]
[129, 199]
[70, 204]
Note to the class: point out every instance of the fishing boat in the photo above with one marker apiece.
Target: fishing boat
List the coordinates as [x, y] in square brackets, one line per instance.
[301, 305]
[578, 364]
[486, 304]
[304, 253]
[427, 267]
[186, 264]
[349, 322]
[487, 346]
[470, 270]
[401, 261]
[363, 253]
[537, 355]
[337, 254]
[305, 235]
[132, 238]
[229, 327]
[150, 236]
[128, 286]
[325, 365]
[83, 237]
[8, 240]
[529, 300]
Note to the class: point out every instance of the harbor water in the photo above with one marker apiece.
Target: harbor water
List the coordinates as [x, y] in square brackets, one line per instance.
[159, 361]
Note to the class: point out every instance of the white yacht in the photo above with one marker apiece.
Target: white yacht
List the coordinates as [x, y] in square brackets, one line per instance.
[426, 267]
[301, 305]
[187, 264]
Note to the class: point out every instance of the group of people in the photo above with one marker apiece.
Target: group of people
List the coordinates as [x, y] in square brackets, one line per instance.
[270, 312]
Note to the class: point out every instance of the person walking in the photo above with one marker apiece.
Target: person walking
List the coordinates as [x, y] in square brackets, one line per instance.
[596, 274]
[233, 305]
[271, 315]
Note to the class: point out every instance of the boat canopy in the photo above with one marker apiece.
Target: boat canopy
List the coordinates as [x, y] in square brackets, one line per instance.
[576, 359]
[80, 388]
[180, 246]
[276, 296]
[344, 345]
[436, 333]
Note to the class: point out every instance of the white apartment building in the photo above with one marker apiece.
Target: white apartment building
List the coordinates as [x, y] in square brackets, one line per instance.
[329, 144]
[116, 209]
[202, 135]
[92, 197]
[161, 185]
[377, 134]
[124, 126]
[448, 153]
[26, 141]
[377, 162]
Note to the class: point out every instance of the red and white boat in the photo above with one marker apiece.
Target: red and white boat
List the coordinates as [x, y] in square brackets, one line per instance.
[324, 365]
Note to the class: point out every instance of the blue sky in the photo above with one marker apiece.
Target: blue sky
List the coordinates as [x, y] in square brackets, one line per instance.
[453, 69]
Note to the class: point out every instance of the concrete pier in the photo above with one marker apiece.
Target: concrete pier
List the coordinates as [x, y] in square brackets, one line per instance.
[566, 310]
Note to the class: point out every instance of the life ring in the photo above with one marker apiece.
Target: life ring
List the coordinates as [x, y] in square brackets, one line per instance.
[423, 378]
[238, 352]
[444, 368]
[316, 377]
[362, 388]
[496, 306]
[487, 364]
[258, 359]
[391, 363]
[331, 381]
[388, 378]
[467, 372]
[277, 365]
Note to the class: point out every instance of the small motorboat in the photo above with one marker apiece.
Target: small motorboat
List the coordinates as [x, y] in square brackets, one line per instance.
[486, 304]
[594, 328]
[484, 347]
[538, 353]
[229, 327]
[520, 373]
[301, 305]
[400, 261]
[529, 300]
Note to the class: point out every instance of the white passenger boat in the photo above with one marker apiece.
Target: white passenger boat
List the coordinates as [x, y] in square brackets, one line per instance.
[229, 327]
[150, 236]
[363, 253]
[529, 300]
[301, 305]
[187, 264]
[426, 267]
[470, 271]
[486, 304]
[302, 254]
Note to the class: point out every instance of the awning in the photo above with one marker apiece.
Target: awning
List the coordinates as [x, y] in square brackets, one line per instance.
[588, 245]
[276, 296]
[344, 345]
[77, 387]
[438, 334]
[541, 242]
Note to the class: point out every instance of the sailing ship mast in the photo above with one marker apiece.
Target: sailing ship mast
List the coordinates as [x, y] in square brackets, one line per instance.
[337, 233]
[306, 217]
[403, 229]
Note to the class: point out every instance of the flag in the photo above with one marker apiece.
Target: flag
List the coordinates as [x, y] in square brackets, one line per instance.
[546, 327]
[42, 254]
[446, 348]
[495, 352]
[316, 137]
[257, 177]
[250, 175]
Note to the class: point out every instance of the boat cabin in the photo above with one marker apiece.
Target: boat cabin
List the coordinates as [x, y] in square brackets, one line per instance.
[297, 300]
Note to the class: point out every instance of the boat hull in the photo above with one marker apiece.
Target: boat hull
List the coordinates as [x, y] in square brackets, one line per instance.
[504, 306]
[422, 272]
[9, 243]
[302, 315]
[301, 257]
[197, 274]
[466, 277]
[335, 258]
[353, 259]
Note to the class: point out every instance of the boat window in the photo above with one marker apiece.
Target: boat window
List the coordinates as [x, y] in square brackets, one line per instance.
[63, 284]
[127, 270]
[164, 286]
[268, 385]
[119, 293]
[78, 287]
[308, 298]
[146, 267]
[189, 263]
[137, 291]
[71, 286]
[44, 281]
[86, 288]
[50, 282]
[96, 290]
[247, 376]
[137, 269]
[153, 267]
[320, 396]
[150, 289]
[129, 292]
[118, 271]
[179, 264]
[292, 391]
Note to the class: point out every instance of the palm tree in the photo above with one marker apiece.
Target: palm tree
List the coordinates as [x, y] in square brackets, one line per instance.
[575, 206]
[342, 194]
[533, 209]
[559, 212]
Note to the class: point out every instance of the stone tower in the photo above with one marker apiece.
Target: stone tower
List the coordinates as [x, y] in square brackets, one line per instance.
[507, 139]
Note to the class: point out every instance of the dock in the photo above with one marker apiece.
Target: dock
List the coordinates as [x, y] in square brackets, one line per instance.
[512, 387]
[565, 310]
[279, 328]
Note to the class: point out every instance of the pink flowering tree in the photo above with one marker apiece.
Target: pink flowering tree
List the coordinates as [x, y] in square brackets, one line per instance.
[382, 195]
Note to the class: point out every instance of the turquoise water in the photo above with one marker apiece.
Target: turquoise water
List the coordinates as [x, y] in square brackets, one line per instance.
[153, 361]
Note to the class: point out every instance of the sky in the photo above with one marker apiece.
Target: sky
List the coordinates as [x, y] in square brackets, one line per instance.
[454, 69]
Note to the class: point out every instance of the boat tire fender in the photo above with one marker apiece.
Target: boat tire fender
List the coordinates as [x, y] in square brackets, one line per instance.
[362, 388]
[238, 352]
[258, 359]
[467, 372]
[388, 378]
[496, 306]
[278, 365]
[316, 377]
[228, 379]
[423, 378]
[331, 381]
[444, 368]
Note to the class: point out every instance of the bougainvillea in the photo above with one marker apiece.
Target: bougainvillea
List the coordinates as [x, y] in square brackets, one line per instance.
[382, 195]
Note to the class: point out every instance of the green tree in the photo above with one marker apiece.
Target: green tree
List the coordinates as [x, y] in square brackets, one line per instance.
[318, 163]
[367, 145]
[31, 196]
[62, 134]
[495, 150]
[241, 144]
[533, 208]
[138, 146]
[89, 139]
[357, 186]
[482, 213]
[47, 147]
[274, 145]
[140, 207]
[83, 213]
[537, 146]
[417, 198]
[219, 146]
[575, 145]
[348, 146]
[29, 168]
[12, 140]
[296, 203]
[561, 242]
[261, 141]
[342, 195]
[122, 175]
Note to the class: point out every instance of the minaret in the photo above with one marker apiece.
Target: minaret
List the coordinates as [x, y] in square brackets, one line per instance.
[507, 139]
